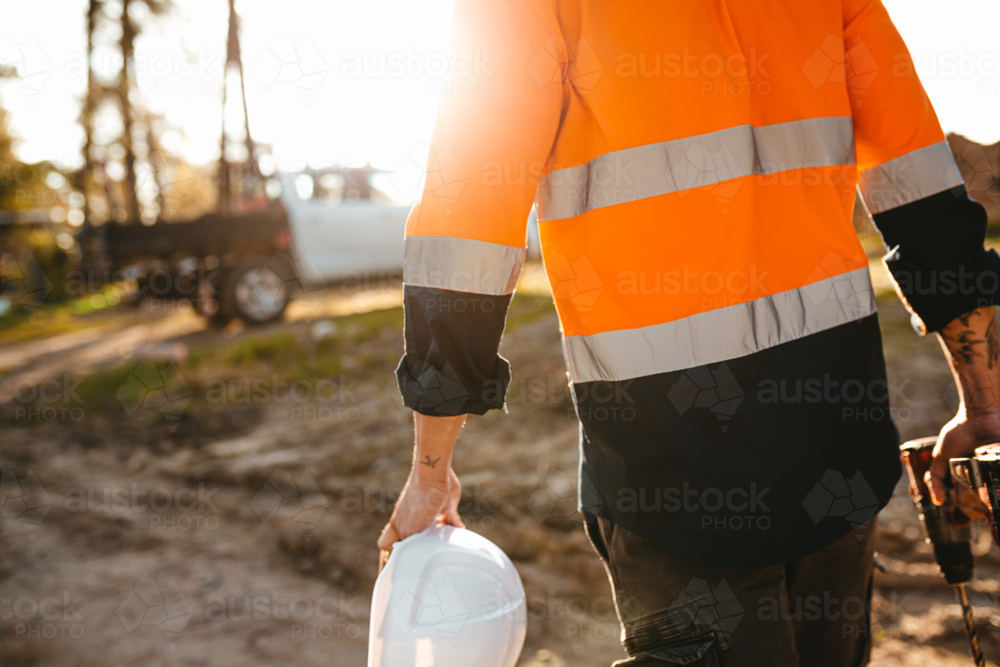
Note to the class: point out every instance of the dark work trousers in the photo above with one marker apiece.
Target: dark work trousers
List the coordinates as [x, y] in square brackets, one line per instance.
[810, 612]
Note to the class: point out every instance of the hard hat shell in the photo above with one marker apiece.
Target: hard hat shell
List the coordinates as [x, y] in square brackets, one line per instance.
[447, 597]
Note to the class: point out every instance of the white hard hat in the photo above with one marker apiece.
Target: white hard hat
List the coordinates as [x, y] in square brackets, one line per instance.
[447, 597]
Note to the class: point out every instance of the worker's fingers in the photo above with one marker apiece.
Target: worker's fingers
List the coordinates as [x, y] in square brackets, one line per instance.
[957, 438]
[388, 537]
[935, 483]
[938, 472]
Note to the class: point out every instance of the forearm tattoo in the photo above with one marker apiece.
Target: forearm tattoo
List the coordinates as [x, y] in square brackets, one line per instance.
[963, 345]
[968, 341]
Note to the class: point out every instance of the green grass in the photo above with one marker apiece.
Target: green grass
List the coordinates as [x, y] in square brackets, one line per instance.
[357, 346]
[113, 389]
[279, 350]
[94, 389]
[361, 346]
[55, 318]
[364, 326]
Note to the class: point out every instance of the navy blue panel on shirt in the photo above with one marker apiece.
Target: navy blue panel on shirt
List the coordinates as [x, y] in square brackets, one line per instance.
[753, 461]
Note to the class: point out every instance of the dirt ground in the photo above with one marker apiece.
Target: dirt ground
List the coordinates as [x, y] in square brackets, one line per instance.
[178, 495]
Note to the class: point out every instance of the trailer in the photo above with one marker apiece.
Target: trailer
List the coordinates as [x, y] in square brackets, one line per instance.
[324, 227]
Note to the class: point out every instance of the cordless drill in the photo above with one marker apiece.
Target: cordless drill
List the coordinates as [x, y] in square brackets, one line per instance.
[947, 529]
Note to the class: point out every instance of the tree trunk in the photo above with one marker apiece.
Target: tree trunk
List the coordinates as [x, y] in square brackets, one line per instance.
[157, 160]
[86, 178]
[124, 88]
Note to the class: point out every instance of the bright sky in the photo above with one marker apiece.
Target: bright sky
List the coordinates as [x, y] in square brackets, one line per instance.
[315, 111]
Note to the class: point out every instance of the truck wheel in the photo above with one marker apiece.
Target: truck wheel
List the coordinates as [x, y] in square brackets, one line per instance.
[255, 293]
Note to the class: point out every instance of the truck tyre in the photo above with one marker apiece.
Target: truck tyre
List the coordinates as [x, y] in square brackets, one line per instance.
[255, 292]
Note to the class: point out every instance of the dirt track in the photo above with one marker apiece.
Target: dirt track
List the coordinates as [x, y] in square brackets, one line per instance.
[161, 541]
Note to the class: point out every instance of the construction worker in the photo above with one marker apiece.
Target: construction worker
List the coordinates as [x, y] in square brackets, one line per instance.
[694, 167]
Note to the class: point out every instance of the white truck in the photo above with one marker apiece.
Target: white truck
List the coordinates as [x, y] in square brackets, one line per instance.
[314, 230]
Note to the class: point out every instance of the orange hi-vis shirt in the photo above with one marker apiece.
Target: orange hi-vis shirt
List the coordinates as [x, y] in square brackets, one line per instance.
[693, 167]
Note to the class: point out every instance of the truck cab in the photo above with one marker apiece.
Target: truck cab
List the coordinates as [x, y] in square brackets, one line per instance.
[343, 225]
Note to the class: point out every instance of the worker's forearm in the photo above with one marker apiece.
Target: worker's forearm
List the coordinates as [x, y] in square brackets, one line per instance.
[970, 343]
[435, 441]
[432, 492]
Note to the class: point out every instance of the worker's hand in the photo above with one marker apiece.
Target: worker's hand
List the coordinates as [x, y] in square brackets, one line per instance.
[423, 501]
[959, 438]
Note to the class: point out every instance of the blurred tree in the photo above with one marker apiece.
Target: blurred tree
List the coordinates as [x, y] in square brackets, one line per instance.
[104, 196]
[191, 191]
[183, 191]
[84, 180]
[32, 264]
[126, 82]
[6, 153]
[22, 185]
[237, 180]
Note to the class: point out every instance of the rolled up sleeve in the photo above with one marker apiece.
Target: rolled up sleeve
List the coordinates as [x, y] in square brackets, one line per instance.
[909, 180]
[465, 238]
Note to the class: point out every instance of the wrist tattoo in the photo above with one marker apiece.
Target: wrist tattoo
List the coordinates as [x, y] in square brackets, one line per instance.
[430, 463]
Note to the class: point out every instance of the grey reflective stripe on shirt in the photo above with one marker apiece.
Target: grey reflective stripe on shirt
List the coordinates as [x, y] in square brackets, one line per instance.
[918, 174]
[718, 335]
[462, 265]
[670, 166]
